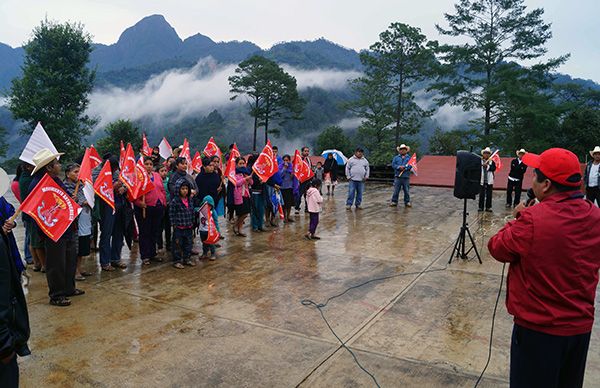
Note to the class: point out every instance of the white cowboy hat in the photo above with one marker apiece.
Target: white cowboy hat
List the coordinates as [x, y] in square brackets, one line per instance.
[521, 151]
[595, 151]
[401, 146]
[4, 182]
[42, 158]
[486, 150]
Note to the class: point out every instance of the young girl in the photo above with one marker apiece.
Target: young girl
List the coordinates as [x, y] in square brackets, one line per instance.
[208, 200]
[241, 194]
[165, 224]
[181, 214]
[314, 201]
[150, 220]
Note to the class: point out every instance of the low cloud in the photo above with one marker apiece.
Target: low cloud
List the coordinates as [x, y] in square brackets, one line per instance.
[176, 94]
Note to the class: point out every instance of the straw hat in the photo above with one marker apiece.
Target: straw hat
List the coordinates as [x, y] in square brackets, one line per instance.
[521, 151]
[486, 150]
[4, 182]
[595, 151]
[402, 146]
[42, 158]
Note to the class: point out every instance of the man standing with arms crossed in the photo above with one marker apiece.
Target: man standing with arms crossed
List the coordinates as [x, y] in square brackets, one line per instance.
[357, 172]
[553, 253]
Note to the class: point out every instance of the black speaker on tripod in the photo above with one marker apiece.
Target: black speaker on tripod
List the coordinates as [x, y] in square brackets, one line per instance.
[466, 186]
[468, 175]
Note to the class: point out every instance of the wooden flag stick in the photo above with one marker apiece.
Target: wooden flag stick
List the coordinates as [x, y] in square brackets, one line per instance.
[144, 209]
[14, 216]
[76, 189]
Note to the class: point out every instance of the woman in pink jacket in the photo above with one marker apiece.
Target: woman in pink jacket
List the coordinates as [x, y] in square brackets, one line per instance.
[313, 201]
[150, 226]
[241, 194]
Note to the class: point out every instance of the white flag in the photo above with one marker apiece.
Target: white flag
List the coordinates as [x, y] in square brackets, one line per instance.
[39, 140]
[88, 192]
[164, 149]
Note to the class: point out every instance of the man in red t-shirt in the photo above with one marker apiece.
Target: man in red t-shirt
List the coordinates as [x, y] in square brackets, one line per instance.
[553, 250]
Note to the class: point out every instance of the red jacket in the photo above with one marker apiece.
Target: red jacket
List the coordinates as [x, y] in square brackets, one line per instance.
[554, 253]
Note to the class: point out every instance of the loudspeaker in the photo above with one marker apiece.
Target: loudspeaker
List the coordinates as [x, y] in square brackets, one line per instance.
[468, 175]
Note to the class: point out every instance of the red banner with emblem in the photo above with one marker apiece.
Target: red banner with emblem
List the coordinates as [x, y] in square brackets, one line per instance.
[496, 159]
[128, 175]
[146, 149]
[103, 187]
[412, 162]
[266, 164]
[302, 170]
[144, 184]
[197, 162]
[121, 155]
[51, 207]
[230, 167]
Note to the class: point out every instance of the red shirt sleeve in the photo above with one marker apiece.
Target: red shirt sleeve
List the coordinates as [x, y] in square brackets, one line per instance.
[513, 241]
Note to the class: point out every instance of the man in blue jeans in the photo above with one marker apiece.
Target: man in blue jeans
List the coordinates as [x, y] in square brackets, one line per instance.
[401, 175]
[357, 172]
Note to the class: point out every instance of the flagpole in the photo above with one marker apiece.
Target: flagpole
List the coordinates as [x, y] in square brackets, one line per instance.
[14, 216]
[76, 189]
[144, 208]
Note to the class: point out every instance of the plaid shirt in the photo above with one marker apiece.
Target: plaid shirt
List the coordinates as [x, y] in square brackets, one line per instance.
[180, 215]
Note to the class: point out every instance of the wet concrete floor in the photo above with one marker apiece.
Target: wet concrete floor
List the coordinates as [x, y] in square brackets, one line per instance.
[238, 321]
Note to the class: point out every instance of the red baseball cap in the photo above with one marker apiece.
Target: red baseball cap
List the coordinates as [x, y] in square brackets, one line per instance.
[557, 164]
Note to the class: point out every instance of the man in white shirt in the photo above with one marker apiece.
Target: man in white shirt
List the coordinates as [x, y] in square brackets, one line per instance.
[592, 177]
[487, 180]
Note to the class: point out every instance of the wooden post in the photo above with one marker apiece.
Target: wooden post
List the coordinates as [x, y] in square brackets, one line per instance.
[14, 216]
[76, 189]
[144, 209]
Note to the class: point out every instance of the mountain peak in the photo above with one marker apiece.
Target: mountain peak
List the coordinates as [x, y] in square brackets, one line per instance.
[153, 29]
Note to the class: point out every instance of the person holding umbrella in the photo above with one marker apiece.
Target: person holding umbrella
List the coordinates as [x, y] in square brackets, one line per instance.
[333, 158]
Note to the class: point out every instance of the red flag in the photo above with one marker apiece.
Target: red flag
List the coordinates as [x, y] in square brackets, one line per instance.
[197, 162]
[144, 184]
[96, 159]
[104, 185]
[265, 165]
[413, 163]
[146, 149]
[230, 168]
[85, 170]
[212, 149]
[128, 174]
[121, 155]
[185, 153]
[51, 207]
[207, 220]
[496, 159]
[302, 170]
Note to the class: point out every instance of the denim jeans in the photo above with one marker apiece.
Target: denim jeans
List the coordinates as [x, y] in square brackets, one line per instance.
[355, 189]
[182, 244]
[404, 185]
[257, 214]
[112, 229]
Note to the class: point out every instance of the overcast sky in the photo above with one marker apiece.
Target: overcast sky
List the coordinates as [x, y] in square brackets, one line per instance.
[351, 23]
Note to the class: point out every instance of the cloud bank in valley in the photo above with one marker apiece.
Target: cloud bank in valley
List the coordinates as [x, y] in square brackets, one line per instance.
[180, 93]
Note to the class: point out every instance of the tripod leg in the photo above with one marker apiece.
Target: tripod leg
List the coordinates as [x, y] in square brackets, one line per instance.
[455, 250]
[474, 246]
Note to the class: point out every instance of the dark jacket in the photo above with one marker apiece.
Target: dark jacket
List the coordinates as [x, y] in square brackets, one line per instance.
[586, 177]
[180, 215]
[14, 319]
[331, 166]
[6, 211]
[517, 170]
[208, 184]
[175, 178]
[552, 248]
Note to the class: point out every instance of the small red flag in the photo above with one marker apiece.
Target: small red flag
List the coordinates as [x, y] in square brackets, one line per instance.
[302, 170]
[265, 165]
[144, 184]
[95, 157]
[128, 174]
[104, 185]
[212, 149]
[413, 163]
[207, 221]
[197, 162]
[146, 149]
[230, 167]
[496, 159]
[51, 207]
[186, 153]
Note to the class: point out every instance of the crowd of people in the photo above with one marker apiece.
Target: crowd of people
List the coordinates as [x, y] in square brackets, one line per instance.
[553, 305]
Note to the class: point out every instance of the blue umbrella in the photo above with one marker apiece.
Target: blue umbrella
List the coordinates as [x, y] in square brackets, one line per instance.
[339, 157]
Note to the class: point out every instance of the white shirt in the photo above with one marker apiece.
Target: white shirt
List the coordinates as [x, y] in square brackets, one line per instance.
[593, 178]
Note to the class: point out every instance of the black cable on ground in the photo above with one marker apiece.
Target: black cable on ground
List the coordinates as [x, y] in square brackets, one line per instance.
[492, 329]
[321, 306]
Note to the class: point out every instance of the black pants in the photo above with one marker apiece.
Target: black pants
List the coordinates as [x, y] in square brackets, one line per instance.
[167, 228]
[183, 239]
[302, 193]
[517, 187]
[544, 360]
[9, 374]
[61, 263]
[593, 194]
[485, 196]
[149, 229]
